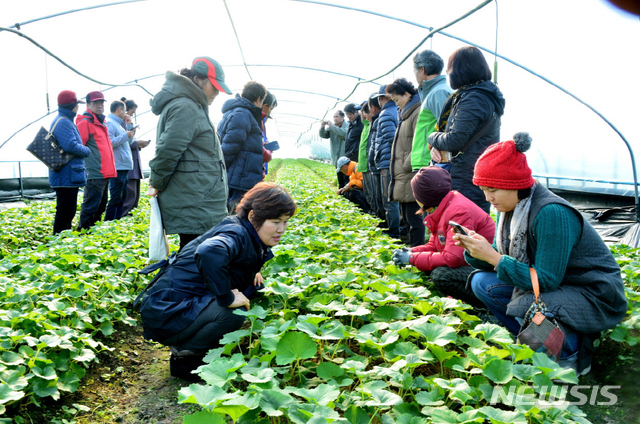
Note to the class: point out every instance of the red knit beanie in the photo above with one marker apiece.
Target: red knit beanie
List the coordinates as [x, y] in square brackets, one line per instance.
[504, 165]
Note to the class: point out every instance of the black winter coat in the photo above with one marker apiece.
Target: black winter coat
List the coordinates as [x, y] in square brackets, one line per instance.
[352, 142]
[469, 114]
[385, 130]
[226, 257]
[241, 140]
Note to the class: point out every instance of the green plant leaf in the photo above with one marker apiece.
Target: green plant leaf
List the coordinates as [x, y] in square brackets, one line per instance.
[498, 371]
[381, 397]
[498, 416]
[7, 395]
[234, 411]
[356, 415]
[388, 313]
[272, 401]
[321, 395]
[437, 334]
[329, 370]
[294, 346]
[203, 417]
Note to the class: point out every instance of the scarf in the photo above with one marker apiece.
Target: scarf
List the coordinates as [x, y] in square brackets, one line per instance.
[511, 235]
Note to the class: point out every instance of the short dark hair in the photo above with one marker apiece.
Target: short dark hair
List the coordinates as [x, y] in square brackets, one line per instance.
[373, 101]
[130, 104]
[350, 108]
[341, 113]
[267, 201]
[430, 61]
[270, 100]
[467, 65]
[115, 105]
[400, 87]
[253, 91]
[365, 107]
[524, 193]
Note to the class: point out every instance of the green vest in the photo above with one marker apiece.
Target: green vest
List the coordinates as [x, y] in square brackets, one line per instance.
[362, 151]
[420, 154]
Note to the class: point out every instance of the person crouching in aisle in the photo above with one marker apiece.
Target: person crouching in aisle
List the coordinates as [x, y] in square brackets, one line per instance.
[353, 189]
[440, 257]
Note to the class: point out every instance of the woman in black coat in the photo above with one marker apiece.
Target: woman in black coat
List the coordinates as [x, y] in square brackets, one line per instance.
[469, 121]
[189, 305]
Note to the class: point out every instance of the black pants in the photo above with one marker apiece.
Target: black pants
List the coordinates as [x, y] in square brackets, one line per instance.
[453, 282]
[66, 205]
[207, 329]
[94, 202]
[413, 222]
[357, 196]
[131, 197]
[186, 238]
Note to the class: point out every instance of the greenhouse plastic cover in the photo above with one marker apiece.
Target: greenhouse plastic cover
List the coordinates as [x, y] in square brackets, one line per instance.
[317, 56]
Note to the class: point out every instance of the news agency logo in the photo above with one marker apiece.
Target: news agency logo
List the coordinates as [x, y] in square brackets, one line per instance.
[557, 395]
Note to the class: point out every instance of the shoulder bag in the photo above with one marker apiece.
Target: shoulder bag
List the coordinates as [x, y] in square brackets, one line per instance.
[540, 332]
[46, 148]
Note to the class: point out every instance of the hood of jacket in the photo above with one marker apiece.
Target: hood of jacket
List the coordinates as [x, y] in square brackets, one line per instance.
[493, 92]
[176, 86]
[245, 103]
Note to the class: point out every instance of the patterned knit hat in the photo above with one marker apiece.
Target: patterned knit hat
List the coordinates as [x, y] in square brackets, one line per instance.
[430, 185]
[504, 165]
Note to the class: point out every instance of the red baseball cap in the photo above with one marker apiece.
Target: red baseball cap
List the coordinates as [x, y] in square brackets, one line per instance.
[213, 70]
[68, 97]
[95, 96]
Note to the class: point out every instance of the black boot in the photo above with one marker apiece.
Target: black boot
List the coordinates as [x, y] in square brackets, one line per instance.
[181, 367]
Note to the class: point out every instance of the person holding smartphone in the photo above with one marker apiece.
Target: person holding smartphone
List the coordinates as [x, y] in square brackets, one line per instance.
[441, 258]
[579, 279]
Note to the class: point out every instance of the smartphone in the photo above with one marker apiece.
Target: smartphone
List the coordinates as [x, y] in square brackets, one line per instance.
[133, 128]
[458, 228]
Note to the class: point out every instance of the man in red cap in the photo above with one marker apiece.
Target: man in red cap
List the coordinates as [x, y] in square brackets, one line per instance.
[100, 164]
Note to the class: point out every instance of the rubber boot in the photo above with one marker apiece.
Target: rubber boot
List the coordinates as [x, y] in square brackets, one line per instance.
[182, 367]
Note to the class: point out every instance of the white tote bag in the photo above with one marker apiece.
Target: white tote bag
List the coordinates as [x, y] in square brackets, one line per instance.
[158, 243]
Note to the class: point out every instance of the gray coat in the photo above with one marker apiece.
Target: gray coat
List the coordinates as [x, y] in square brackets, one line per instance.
[188, 168]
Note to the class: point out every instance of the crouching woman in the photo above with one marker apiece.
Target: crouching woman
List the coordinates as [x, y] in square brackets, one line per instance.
[441, 258]
[189, 306]
[579, 279]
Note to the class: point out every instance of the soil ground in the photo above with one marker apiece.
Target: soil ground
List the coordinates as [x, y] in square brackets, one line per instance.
[132, 385]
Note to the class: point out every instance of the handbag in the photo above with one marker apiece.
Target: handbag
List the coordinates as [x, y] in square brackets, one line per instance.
[538, 331]
[46, 148]
[447, 159]
[158, 243]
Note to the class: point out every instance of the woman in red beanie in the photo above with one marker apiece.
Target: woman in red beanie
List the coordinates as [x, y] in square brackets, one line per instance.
[579, 279]
[440, 257]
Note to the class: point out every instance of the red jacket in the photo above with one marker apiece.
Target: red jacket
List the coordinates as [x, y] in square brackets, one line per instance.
[441, 249]
[95, 135]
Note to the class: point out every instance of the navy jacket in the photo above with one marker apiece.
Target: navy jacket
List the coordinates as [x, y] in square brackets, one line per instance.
[226, 257]
[74, 173]
[385, 131]
[241, 139]
[352, 142]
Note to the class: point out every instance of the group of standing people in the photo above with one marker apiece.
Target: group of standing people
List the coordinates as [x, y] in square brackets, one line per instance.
[105, 160]
[403, 128]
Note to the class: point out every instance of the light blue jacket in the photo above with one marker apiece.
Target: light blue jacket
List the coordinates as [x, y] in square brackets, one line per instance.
[120, 142]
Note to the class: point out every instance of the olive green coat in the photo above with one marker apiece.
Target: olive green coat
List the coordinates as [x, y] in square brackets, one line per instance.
[188, 168]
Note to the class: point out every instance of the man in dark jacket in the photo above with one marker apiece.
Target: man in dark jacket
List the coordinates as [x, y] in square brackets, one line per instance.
[241, 139]
[352, 142]
[384, 130]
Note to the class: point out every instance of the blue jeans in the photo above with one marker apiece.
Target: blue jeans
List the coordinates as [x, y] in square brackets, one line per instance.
[496, 295]
[117, 190]
[94, 202]
[391, 209]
